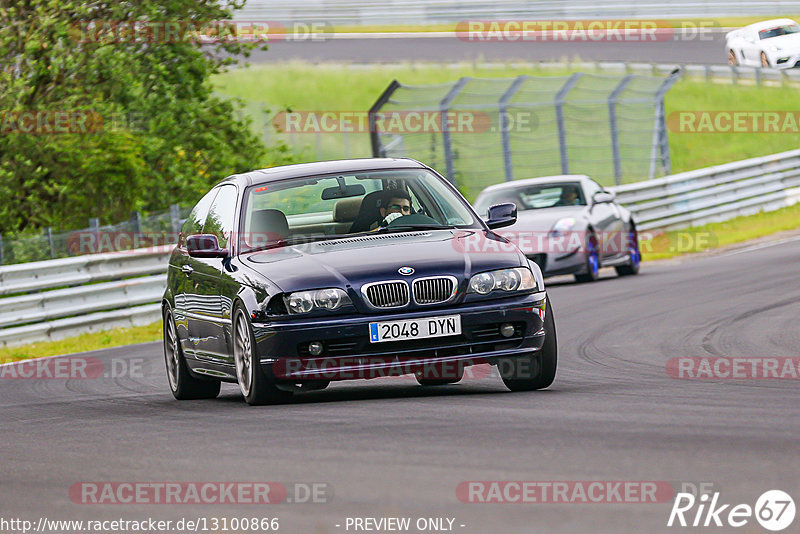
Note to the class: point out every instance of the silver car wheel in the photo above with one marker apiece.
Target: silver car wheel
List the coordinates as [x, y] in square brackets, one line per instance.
[171, 351]
[243, 354]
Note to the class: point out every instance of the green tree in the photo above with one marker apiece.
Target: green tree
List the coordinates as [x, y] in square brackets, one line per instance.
[145, 128]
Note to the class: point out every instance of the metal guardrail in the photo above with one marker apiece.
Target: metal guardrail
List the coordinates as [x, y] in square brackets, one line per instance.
[715, 193]
[59, 298]
[53, 299]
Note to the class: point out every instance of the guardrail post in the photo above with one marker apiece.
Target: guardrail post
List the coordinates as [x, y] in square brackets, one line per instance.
[612, 121]
[175, 218]
[94, 224]
[447, 142]
[759, 76]
[504, 125]
[562, 132]
[48, 233]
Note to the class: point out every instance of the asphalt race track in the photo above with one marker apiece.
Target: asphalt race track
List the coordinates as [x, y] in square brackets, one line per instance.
[709, 50]
[392, 448]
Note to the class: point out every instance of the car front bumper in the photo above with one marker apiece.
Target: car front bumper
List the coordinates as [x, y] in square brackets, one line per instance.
[282, 346]
[554, 264]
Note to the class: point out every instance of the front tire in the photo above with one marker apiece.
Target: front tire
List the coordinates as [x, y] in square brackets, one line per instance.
[732, 59]
[764, 61]
[257, 386]
[182, 384]
[634, 256]
[538, 370]
[592, 261]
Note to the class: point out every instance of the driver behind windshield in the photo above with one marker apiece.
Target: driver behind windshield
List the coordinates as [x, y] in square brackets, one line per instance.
[392, 204]
[569, 197]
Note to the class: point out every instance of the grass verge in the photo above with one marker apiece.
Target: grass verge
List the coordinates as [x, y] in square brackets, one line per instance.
[718, 235]
[82, 343]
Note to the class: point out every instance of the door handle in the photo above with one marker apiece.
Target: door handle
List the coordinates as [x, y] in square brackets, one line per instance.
[187, 269]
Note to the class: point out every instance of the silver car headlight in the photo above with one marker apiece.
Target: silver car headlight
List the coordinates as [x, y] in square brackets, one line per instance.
[517, 279]
[318, 299]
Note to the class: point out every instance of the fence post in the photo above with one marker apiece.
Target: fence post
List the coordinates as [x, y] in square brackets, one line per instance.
[660, 138]
[377, 150]
[562, 132]
[48, 232]
[612, 121]
[136, 222]
[447, 143]
[94, 224]
[175, 218]
[504, 133]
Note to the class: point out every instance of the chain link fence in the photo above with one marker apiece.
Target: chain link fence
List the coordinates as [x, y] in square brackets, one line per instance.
[154, 229]
[611, 127]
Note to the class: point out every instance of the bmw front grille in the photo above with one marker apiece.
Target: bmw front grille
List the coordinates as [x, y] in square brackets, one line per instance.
[395, 294]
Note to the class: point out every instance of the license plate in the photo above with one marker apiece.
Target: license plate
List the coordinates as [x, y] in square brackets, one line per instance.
[446, 325]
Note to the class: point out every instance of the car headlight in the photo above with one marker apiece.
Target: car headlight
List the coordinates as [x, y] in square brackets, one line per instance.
[319, 299]
[518, 279]
[775, 48]
[562, 226]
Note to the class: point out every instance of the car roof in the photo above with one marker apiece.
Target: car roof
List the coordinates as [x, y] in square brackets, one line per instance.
[317, 168]
[557, 179]
[769, 24]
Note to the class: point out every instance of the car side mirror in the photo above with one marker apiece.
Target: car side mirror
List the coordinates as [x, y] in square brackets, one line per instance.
[604, 197]
[501, 215]
[205, 246]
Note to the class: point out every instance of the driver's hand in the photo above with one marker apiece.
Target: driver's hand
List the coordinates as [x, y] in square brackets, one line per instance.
[389, 218]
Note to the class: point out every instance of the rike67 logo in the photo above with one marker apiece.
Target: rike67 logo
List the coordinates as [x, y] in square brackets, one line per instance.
[774, 510]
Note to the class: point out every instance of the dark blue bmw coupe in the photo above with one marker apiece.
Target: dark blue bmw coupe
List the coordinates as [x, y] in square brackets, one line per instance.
[285, 279]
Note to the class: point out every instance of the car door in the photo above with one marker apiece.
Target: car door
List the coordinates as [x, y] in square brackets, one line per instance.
[211, 313]
[606, 219]
[751, 49]
[186, 301]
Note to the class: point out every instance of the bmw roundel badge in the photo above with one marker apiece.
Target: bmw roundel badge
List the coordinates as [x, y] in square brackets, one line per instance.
[405, 271]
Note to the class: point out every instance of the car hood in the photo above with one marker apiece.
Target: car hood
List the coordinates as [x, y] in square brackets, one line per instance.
[790, 42]
[359, 260]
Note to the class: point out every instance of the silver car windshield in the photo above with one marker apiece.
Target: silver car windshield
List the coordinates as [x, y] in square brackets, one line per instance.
[778, 31]
[534, 197]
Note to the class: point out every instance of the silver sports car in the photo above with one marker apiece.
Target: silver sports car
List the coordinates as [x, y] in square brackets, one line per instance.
[568, 225]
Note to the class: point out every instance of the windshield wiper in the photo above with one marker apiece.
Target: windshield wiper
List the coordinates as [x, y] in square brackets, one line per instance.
[299, 240]
[405, 227]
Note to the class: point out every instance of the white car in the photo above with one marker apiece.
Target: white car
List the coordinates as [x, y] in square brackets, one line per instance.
[771, 43]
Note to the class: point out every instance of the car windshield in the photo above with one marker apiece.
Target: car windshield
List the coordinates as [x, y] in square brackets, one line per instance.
[534, 197]
[325, 207]
[778, 31]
